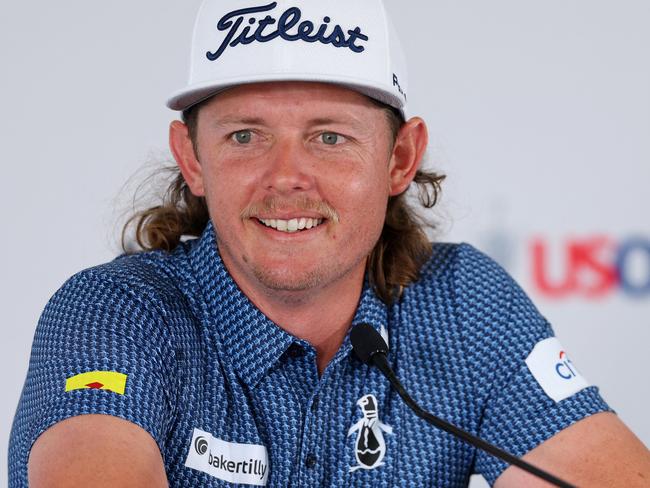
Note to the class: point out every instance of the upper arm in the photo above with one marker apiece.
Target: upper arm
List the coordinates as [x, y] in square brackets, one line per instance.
[101, 347]
[526, 399]
[95, 450]
[596, 451]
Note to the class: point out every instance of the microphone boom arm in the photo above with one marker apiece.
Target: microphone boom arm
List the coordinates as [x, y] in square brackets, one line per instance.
[379, 359]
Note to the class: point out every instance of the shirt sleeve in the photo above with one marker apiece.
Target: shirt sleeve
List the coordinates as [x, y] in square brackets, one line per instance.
[99, 348]
[517, 414]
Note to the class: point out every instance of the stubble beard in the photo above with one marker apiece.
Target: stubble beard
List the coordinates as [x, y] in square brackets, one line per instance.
[324, 274]
[310, 280]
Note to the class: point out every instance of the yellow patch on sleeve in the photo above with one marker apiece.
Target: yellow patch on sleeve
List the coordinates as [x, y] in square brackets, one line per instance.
[97, 380]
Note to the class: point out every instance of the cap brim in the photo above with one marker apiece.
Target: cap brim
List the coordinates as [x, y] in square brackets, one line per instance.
[193, 94]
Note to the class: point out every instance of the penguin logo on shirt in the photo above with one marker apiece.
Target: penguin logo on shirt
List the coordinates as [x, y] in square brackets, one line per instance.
[370, 447]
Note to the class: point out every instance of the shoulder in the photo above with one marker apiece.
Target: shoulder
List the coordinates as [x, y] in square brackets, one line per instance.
[151, 278]
[466, 296]
[151, 275]
[141, 295]
[465, 281]
[472, 281]
[465, 265]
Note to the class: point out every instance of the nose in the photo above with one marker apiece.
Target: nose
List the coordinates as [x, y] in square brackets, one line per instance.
[288, 168]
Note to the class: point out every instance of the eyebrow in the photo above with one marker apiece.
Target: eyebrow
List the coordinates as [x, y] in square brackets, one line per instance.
[351, 121]
[234, 120]
[238, 120]
[325, 121]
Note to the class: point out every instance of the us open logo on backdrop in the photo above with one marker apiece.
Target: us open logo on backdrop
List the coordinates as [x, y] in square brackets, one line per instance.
[370, 446]
[248, 25]
[592, 267]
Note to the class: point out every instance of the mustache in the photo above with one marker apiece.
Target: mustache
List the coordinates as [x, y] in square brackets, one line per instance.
[273, 203]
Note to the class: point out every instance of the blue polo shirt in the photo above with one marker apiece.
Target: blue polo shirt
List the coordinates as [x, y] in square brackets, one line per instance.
[169, 342]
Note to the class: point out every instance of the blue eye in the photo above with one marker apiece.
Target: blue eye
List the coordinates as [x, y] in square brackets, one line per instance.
[243, 136]
[330, 138]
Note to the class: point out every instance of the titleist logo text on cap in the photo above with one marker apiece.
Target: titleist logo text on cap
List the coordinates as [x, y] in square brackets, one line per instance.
[305, 31]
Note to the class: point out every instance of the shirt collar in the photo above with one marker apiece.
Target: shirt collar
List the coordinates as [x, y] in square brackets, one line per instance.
[372, 311]
[250, 340]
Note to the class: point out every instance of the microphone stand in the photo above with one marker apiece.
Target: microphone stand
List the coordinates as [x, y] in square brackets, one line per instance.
[381, 362]
[371, 348]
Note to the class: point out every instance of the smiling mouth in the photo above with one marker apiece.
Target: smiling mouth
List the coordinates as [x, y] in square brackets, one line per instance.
[293, 225]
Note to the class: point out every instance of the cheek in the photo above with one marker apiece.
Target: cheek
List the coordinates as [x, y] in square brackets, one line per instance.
[363, 201]
[227, 186]
[370, 187]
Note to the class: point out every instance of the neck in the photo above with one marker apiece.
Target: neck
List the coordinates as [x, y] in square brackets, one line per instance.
[319, 316]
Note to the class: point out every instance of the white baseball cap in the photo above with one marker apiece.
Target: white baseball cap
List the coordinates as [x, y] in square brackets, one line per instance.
[347, 42]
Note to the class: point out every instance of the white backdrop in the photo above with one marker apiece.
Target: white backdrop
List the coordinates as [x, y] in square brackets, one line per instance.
[539, 113]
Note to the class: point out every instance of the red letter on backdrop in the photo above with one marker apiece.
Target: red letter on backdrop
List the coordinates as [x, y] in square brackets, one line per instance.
[540, 269]
[585, 268]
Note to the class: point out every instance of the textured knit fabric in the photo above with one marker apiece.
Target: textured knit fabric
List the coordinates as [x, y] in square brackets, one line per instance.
[198, 354]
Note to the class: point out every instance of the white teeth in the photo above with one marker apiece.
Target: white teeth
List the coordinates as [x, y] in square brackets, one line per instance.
[293, 225]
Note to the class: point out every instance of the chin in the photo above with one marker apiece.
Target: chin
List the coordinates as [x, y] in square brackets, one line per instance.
[280, 280]
[304, 273]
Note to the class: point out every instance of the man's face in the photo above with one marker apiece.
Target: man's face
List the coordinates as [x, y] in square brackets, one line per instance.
[297, 179]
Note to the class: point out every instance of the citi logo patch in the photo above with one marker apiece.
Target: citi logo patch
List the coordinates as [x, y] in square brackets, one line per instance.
[370, 446]
[97, 380]
[243, 27]
[565, 367]
[554, 371]
[246, 464]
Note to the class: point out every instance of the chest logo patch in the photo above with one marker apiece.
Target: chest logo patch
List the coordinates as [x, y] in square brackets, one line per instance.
[246, 464]
[370, 447]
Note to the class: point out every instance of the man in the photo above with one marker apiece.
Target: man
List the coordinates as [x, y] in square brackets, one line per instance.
[225, 360]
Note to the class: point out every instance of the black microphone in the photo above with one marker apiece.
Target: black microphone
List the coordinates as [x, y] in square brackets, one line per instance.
[370, 347]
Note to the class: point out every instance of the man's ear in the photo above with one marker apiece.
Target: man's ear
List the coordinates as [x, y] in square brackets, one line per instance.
[182, 148]
[408, 151]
